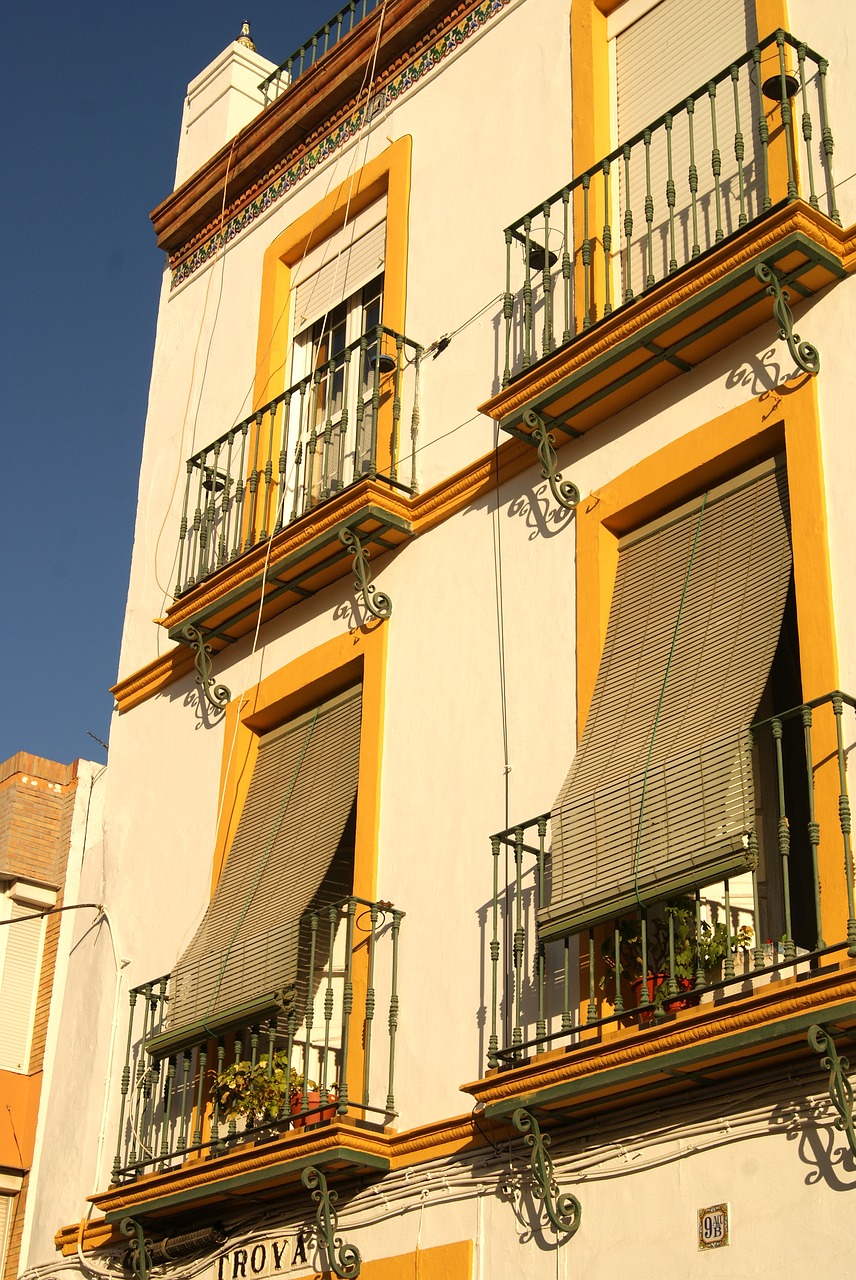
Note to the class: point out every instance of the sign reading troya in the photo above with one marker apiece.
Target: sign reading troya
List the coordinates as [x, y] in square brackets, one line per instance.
[264, 1258]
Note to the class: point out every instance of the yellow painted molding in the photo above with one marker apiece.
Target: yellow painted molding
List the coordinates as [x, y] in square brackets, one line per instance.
[424, 512]
[706, 1024]
[388, 174]
[242, 1161]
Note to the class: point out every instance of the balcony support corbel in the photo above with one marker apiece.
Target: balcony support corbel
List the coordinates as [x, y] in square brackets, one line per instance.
[565, 492]
[139, 1248]
[375, 602]
[216, 695]
[343, 1259]
[806, 356]
[840, 1089]
[562, 1208]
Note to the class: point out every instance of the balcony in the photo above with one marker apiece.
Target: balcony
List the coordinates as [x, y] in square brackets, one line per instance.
[266, 502]
[312, 50]
[311, 1074]
[674, 993]
[672, 246]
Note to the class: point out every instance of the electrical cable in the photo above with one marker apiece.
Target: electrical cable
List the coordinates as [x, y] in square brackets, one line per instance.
[288, 478]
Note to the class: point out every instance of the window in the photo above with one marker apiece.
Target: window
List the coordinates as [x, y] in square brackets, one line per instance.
[661, 797]
[341, 350]
[7, 1206]
[21, 944]
[293, 853]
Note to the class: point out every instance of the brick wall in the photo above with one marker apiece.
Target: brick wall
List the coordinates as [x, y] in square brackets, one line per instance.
[35, 797]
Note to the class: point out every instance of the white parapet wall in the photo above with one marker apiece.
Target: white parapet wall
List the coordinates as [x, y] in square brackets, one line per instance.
[220, 101]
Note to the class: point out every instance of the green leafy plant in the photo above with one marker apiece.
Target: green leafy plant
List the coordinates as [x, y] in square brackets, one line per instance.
[259, 1093]
[704, 949]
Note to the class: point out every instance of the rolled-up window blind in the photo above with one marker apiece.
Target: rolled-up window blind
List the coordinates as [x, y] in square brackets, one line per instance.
[243, 959]
[660, 796]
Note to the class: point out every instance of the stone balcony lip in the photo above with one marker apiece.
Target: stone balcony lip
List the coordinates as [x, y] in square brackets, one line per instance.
[249, 1168]
[690, 1048]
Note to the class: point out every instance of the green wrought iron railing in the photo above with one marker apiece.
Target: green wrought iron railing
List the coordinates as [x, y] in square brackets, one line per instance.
[755, 134]
[313, 49]
[323, 1043]
[637, 969]
[340, 424]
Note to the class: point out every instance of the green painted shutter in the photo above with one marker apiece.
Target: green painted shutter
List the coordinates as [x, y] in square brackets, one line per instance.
[670, 724]
[283, 860]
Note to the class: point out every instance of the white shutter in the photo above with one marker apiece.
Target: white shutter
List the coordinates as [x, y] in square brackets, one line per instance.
[6, 1205]
[18, 986]
[666, 54]
[340, 266]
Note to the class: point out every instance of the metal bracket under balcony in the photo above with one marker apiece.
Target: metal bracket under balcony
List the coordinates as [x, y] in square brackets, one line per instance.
[630, 353]
[299, 566]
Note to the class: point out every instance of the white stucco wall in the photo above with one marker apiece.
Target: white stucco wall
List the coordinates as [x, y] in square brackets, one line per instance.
[481, 155]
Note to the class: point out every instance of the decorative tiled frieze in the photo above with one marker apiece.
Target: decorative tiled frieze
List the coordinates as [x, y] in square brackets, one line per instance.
[398, 85]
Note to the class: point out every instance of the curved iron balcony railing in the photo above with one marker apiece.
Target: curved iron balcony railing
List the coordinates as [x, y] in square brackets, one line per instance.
[754, 135]
[340, 424]
[321, 1041]
[727, 936]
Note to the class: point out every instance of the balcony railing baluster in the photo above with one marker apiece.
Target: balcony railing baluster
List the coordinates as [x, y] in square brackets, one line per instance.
[319, 44]
[174, 1097]
[303, 447]
[679, 187]
[761, 924]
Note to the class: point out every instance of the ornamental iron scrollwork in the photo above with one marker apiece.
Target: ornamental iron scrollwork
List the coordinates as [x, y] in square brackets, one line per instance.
[562, 1208]
[375, 602]
[806, 356]
[343, 1259]
[840, 1089]
[138, 1251]
[216, 695]
[565, 492]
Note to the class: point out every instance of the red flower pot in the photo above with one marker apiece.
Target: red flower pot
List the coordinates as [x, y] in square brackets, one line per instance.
[317, 1113]
[670, 1004]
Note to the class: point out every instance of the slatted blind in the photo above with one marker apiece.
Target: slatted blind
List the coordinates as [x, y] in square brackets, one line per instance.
[349, 263]
[18, 986]
[664, 55]
[6, 1206]
[660, 795]
[295, 818]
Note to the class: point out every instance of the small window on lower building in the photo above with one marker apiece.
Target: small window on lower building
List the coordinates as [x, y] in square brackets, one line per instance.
[21, 941]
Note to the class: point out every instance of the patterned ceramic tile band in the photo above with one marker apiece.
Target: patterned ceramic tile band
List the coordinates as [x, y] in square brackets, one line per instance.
[397, 86]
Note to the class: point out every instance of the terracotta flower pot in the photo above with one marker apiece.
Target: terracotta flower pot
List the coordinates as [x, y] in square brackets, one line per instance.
[317, 1113]
[684, 1001]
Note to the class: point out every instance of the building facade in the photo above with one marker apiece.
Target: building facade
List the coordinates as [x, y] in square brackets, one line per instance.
[45, 809]
[476, 842]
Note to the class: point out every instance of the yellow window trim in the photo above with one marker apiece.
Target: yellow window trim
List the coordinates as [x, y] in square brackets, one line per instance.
[302, 684]
[679, 471]
[388, 174]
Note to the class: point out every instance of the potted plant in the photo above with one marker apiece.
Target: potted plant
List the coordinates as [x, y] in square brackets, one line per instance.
[262, 1093]
[694, 950]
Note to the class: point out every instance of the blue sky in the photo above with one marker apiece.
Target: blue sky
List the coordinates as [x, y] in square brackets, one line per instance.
[93, 95]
